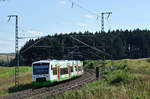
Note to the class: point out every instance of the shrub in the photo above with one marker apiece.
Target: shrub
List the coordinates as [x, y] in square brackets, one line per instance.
[91, 66]
[4, 63]
[119, 76]
[124, 67]
[148, 59]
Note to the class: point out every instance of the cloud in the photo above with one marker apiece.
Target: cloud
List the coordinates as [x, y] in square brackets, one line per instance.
[63, 2]
[35, 33]
[90, 16]
[82, 24]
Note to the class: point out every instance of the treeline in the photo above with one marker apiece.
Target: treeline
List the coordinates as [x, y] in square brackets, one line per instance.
[116, 44]
[4, 63]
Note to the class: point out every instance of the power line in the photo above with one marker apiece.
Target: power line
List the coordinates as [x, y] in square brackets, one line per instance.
[94, 48]
[28, 37]
[83, 8]
[31, 46]
[93, 13]
[58, 46]
[92, 54]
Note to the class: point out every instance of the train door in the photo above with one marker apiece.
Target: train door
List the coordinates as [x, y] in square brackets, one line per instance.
[77, 67]
[58, 73]
[50, 70]
[53, 71]
[72, 68]
[82, 66]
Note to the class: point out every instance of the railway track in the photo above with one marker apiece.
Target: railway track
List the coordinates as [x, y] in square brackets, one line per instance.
[44, 92]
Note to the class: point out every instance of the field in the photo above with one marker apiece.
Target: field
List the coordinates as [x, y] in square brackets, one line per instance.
[6, 57]
[128, 79]
[7, 78]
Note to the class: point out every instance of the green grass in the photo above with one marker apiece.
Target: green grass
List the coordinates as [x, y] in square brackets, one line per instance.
[130, 79]
[9, 71]
[7, 79]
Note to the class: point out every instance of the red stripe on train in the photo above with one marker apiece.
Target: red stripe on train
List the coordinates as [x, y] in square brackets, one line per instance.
[58, 70]
[69, 70]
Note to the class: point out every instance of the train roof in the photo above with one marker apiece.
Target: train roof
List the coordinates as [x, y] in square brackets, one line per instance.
[49, 60]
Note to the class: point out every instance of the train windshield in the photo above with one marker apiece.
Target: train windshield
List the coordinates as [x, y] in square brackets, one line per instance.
[40, 68]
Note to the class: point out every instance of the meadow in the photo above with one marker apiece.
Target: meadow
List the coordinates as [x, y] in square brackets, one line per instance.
[128, 79]
[7, 78]
[6, 58]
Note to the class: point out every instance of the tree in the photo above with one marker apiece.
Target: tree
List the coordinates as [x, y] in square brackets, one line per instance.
[118, 44]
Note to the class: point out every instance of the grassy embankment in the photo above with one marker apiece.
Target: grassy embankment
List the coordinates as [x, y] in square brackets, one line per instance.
[7, 79]
[130, 79]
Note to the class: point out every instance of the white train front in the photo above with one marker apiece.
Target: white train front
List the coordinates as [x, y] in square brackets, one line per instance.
[46, 72]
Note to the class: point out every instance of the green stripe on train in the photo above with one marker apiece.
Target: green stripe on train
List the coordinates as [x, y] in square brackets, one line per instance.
[44, 83]
[52, 81]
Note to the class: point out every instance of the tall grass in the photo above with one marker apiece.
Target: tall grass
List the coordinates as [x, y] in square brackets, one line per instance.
[4, 63]
[9, 71]
[130, 79]
[7, 79]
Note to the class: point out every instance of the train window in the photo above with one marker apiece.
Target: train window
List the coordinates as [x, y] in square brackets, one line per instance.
[55, 71]
[71, 69]
[40, 68]
[63, 71]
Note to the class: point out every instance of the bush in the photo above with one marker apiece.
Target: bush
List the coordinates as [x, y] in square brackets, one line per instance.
[91, 66]
[119, 76]
[148, 59]
[4, 63]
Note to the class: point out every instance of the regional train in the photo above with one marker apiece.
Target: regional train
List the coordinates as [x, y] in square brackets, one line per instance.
[45, 72]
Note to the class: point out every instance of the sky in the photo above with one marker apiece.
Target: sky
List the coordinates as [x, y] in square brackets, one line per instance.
[47, 17]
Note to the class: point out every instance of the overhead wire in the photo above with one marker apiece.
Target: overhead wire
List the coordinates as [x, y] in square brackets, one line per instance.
[32, 45]
[83, 8]
[94, 48]
[89, 11]
[92, 53]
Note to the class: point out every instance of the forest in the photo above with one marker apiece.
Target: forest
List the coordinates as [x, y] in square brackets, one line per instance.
[116, 44]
